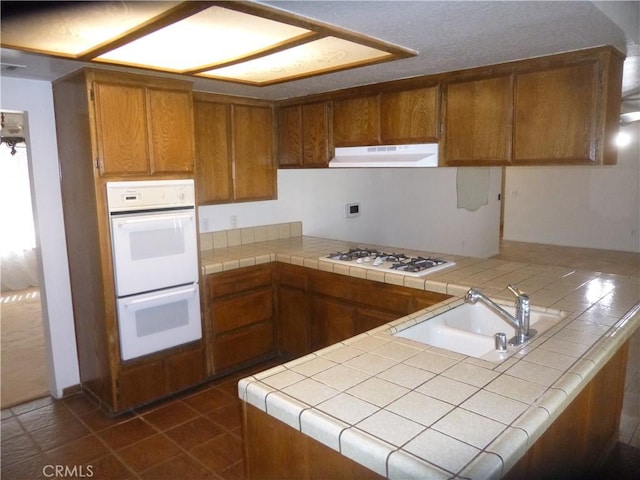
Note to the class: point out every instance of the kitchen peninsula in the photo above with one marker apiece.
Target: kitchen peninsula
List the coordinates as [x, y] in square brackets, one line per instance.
[377, 406]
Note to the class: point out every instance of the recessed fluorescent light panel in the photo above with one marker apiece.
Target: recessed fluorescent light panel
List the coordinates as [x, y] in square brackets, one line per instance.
[324, 55]
[241, 42]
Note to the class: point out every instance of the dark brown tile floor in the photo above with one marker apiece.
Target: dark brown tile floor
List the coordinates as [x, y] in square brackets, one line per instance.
[196, 435]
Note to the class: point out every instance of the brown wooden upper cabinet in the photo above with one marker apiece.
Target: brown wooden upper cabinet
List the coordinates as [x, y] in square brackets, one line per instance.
[477, 121]
[235, 158]
[144, 126]
[387, 118]
[252, 130]
[556, 110]
[214, 180]
[304, 135]
[409, 116]
[556, 115]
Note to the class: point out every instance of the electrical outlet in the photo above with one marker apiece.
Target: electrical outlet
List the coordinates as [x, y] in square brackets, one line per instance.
[234, 221]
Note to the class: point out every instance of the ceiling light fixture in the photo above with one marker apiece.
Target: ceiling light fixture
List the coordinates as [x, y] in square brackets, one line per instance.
[233, 41]
[10, 133]
[622, 140]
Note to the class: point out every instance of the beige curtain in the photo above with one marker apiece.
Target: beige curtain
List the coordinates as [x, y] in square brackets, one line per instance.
[18, 254]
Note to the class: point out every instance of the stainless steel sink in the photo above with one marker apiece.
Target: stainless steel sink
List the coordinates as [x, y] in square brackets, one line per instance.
[470, 329]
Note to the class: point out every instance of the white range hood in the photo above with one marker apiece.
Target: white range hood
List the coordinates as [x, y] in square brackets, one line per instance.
[418, 155]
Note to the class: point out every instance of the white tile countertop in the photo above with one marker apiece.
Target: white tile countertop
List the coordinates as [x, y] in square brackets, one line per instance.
[408, 410]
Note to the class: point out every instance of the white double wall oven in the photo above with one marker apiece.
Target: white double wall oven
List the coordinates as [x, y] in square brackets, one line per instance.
[155, 261]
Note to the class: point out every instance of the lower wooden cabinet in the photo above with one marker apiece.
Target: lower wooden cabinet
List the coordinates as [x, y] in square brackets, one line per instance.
[294, 326]
[367, 319]
[241, 317]
[317, 308]
[331, 321]
[184, 369]
[149, 379]
[573, 447]
[579, 441]
[274, 450]
[254, 342]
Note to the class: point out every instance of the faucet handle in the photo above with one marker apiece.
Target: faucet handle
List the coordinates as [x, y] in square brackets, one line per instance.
[516, 291]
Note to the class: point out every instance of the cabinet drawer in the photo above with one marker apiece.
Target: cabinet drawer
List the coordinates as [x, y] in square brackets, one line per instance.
[241, 310]
[245, 345]
[235, 281]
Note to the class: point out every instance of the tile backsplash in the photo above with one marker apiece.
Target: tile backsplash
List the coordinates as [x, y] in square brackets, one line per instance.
[247, 235]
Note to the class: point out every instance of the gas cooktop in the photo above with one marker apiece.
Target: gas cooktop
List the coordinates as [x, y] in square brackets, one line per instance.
[391, 262]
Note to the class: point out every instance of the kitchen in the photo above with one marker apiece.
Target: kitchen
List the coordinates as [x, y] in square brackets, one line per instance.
[301, 193]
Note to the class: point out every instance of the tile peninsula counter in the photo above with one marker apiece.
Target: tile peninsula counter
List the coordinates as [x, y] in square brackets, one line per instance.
[403, 409]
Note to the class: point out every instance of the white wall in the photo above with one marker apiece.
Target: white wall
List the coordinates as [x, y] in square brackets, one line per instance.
[593, 207]
[405, 208]
[36, 99]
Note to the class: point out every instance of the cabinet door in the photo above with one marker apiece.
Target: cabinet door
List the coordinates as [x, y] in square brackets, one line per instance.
[231, 351]
[367, 319]
[477, 122]
[290, 136]
[409, 116]
[293, 318]
[171, 130]
[254, 166]
[555, 115]
[213, 159]
[184, 369]
[303, 135]
[121, 129]
[356, 121]
[140, 384]
[331, 322]
[315, 135]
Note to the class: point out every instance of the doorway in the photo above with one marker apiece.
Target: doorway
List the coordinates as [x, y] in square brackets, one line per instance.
[24, 369]
[502, 200]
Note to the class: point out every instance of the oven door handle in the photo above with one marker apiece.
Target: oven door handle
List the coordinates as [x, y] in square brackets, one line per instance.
[160, 296]
[156, 218]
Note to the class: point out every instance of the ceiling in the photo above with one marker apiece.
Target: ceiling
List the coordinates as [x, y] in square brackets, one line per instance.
[448, 35]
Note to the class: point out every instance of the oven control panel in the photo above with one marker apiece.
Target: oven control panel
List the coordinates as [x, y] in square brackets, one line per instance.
[150, 195]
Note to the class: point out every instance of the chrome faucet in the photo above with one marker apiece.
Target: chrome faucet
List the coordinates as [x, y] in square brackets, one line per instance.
[521, 319]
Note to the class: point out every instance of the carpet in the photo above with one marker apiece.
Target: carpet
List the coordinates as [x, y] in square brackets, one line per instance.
[23, 370]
